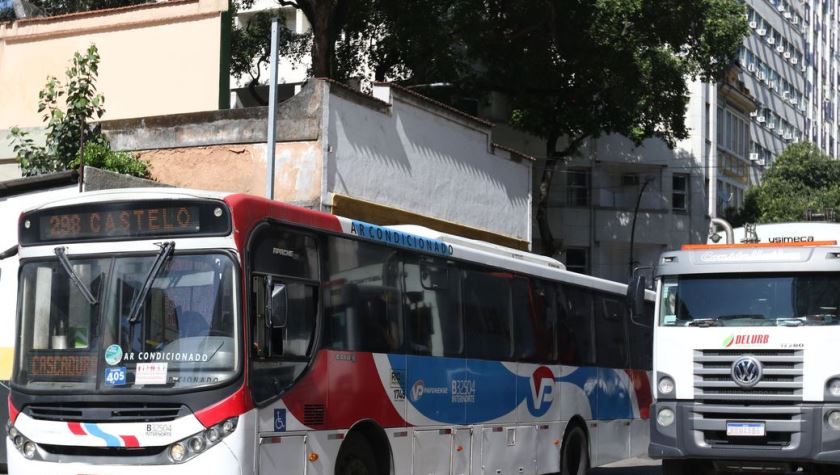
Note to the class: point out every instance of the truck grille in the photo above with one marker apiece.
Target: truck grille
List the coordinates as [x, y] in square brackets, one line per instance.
[773, 401]
[781, 380]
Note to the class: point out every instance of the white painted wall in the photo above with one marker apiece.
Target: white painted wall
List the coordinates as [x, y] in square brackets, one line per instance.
[421, 158]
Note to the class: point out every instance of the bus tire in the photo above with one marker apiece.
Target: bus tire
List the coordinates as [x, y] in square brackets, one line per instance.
[356, 457]
[574, 453]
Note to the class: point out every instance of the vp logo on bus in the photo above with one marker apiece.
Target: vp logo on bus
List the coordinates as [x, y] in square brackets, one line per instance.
[542, 391]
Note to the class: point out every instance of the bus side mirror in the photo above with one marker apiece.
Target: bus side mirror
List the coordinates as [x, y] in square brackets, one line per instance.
[276, 309]
[636, 297]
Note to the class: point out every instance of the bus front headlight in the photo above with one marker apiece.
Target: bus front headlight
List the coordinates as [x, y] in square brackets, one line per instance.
[665, 417]
[666, 386]
[185, 449]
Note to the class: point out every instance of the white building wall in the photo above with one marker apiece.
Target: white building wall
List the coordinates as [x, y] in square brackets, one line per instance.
[416, 156]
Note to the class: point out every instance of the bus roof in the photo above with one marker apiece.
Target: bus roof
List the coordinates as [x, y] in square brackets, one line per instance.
[463, 248]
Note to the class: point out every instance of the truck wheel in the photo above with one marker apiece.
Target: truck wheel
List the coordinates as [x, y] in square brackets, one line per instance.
[574, 454]
[356, 457]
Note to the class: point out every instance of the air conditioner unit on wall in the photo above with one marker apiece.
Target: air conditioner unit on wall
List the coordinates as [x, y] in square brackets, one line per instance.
[762, 76]
[629, 179]
[751, 68]
[771, 40]
[761, 32]
[754, 157]
[788, 15]
[761, 119]
[795, 20]
[793, 60]
[754, 113]
[787, 54]
[771, 126]
[780, 49]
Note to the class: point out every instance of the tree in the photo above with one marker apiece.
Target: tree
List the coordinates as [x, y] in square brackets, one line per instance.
[802, 178]
[250, 45]
[572, 69]
[577, 69]
[68, 126]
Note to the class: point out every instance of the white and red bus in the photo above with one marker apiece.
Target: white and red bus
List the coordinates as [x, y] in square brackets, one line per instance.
[191, 332]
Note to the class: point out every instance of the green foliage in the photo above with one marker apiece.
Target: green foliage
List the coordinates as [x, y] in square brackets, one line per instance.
[68, 123]
[251, 44]
[100, 155]
[62, 7]
[801, 178]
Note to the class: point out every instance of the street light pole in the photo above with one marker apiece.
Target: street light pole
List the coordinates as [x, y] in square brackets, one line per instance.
[272, 111]
[633, 226]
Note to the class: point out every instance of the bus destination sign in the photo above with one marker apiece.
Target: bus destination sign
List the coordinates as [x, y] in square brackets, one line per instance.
[125, 220]
[119, 223]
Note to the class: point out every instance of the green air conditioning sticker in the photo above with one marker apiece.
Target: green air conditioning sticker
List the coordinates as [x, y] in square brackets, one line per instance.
[113, 355]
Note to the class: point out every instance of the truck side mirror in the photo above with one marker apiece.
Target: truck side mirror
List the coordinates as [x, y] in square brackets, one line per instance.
[277, 305]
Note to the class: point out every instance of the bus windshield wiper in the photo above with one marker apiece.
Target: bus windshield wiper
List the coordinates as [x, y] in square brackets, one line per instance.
[166, 250]
[61, 254]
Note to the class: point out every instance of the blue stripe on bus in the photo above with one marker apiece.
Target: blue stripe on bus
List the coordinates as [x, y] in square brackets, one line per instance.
[458, 391]
[110, 440]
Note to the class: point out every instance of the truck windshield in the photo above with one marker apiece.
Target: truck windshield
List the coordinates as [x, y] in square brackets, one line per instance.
[184, 334]
[801, 299]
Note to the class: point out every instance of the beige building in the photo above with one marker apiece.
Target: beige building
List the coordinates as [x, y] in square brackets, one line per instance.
[151, 57]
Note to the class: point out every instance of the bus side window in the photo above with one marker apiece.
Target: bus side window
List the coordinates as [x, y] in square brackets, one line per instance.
[574, 326]
[610, 332]
[487, 315]
[432, 321]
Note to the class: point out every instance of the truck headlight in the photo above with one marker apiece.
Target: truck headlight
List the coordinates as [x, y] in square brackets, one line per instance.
[834, 420]
[834, 388]
[665, 417]
[666, 386]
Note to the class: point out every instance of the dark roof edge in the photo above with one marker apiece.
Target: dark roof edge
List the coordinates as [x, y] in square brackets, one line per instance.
[19, 186]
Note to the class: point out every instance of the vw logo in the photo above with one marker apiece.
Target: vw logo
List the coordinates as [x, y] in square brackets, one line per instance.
[746, 371]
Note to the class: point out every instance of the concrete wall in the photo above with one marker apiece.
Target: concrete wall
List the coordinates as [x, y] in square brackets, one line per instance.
[405, 156]
[151, 56]
[424, 157]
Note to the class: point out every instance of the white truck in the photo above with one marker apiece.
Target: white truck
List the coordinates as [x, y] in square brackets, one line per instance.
[746, 373]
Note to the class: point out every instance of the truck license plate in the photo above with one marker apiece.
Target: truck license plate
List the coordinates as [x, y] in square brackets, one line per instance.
[745, 429]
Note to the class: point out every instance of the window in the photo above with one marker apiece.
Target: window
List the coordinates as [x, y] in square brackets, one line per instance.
[679, 194]
[577, 260]
[574, 326]
[544, 302]
[610, 334]
[578, 187]
[362, 300]
[433, 325]
[487, 315]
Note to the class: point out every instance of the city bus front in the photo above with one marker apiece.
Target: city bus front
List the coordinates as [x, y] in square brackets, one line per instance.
[129, 349]
[745, 361]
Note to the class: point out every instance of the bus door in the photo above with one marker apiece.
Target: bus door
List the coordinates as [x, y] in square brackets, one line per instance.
[285, 286]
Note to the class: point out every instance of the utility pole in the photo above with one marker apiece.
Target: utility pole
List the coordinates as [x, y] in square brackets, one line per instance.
[272, 111]
[633, 226]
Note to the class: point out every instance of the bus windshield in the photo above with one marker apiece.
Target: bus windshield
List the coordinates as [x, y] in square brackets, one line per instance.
[184, 335]
[801, 299]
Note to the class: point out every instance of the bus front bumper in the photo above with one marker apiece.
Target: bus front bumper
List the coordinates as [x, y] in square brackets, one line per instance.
[217, 459]
[792, 433]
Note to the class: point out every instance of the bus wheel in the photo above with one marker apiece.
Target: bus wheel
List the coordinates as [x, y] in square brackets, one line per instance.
[356, 457]
[574, 455]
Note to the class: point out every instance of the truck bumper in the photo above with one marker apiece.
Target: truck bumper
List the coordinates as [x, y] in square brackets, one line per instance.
[797, 433]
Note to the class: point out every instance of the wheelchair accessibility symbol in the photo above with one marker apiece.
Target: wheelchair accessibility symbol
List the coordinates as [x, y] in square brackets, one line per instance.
[279, 420]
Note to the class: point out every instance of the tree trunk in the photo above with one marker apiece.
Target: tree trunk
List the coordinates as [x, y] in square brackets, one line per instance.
[554, 159]
[547, 245]
[322, 42]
